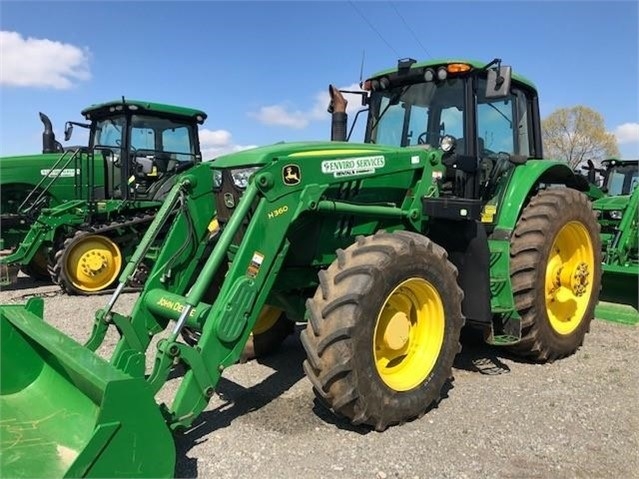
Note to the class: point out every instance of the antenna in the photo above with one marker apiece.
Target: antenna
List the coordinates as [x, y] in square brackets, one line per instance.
[361, 68]
[373, 27]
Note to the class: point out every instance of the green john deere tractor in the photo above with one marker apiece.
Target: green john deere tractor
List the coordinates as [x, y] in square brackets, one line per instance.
[617, 214]
[82, 220]
[444, 216]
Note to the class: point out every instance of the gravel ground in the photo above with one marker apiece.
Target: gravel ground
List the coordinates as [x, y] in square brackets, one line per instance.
[502, 418]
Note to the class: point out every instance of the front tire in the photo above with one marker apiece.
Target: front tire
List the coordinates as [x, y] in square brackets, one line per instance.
[268, 334]
[555, 263]
[87, 263]
[384, 329]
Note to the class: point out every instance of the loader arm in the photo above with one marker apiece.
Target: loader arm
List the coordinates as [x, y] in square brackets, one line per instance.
[618, 301]
[251, 247]
[625, 239]
[42, 231]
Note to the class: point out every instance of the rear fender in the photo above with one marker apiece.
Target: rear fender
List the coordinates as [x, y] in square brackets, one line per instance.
[523, 184]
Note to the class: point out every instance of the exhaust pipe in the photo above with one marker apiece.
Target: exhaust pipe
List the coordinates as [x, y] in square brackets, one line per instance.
[339, 118]
[49, 143]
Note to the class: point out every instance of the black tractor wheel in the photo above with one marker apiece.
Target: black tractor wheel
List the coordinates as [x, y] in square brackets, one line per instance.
[383, 329]
[87, 263]
[555, 264]
[268, 334]
[38, 267]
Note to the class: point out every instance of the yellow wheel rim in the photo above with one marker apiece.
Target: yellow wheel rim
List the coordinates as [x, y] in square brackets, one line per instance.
[93, 263]
[569, 271]
[267, 319]
[409, 334]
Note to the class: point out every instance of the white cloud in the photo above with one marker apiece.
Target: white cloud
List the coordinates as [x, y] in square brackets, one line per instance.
[38, 62]
[280, 115]
[285, 115]
[214, 143]
[215, 138]
[627, 133]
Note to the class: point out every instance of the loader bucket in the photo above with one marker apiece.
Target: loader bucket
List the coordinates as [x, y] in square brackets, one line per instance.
[65, 412]
[619, 293]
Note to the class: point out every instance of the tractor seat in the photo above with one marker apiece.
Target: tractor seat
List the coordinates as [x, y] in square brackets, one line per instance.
[162, 161]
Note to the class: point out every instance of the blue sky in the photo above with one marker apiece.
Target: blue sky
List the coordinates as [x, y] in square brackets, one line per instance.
[261, 69]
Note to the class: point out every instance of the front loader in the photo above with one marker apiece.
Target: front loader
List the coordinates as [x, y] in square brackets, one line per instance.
[616, 208]
[444, 216]
[76, 216]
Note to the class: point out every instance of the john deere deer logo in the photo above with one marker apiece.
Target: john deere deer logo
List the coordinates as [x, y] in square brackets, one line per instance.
[291, 175]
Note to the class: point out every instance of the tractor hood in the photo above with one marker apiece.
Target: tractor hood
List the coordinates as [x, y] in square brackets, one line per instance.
[610, 203]
[16, 167]
[299, 150]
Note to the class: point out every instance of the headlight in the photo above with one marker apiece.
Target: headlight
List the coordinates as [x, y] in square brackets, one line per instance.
[447, 143]
[241, 176]
[616, 214]
[217, 179]
[598, 214]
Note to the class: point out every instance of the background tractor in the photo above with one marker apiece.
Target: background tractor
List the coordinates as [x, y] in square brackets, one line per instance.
[444, 216]
[82, 219]
[22, 175]
[617, 214]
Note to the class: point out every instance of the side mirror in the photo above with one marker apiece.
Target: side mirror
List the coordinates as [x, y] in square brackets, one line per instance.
[68, 131]
[498, 82]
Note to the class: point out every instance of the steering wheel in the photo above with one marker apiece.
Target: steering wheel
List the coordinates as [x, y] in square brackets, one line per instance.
[487, 152]
[421, 139]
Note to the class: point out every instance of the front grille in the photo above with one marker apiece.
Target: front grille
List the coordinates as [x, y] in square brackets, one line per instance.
[224, 212]
[227, 195]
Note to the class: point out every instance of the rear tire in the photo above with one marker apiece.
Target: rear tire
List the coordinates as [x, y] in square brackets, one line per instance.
[555, 263]
[384, 329]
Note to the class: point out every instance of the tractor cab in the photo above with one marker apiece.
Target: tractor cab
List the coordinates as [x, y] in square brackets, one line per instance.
[142, 145]
[478, 119]
[620, 177]
[483, 119]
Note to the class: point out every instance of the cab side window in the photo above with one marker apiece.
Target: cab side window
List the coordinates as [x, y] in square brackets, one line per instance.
[495, 127]
[503, 125]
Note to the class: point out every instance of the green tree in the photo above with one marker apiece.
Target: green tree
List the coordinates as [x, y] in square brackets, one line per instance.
[577, 134]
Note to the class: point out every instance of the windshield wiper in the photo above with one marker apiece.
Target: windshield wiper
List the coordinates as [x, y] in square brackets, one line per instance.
[510, 123]
[392, 101]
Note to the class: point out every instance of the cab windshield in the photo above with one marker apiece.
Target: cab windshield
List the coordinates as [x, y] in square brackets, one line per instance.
[149, 136]
[417, 114]
[422, 113]
[622, 180]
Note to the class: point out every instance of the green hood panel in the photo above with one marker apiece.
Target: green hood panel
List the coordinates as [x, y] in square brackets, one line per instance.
[609, 203]
[26, 161]
[300, 150]
[30, 169]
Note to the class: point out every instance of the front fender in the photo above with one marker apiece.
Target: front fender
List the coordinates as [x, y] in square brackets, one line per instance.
[524, 182]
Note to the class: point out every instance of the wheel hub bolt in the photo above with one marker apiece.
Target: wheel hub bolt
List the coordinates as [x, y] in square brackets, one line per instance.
[581, 279]
[93, 263]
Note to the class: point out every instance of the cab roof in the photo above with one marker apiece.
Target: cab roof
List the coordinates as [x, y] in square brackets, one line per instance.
[609, 162]
[475, 64]
[115, 106]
